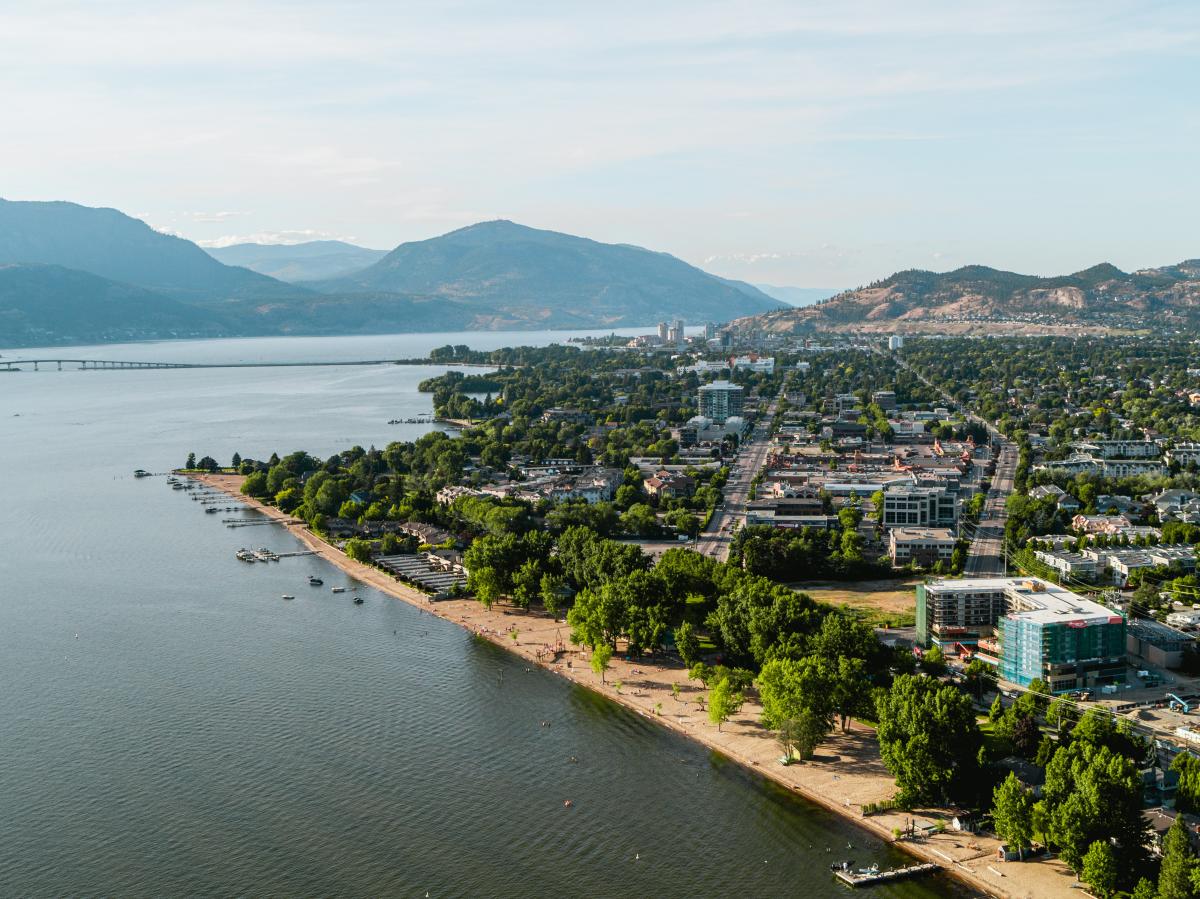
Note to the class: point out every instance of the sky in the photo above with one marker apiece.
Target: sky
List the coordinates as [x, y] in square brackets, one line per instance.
[793, 143]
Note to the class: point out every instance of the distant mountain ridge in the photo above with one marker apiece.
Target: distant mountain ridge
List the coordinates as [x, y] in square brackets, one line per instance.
[107, 276]
[314, 260]
[115, 246]
[516, 276]
[976, 297]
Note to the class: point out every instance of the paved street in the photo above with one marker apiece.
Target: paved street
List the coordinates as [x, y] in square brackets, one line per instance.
[752, 454]
[986, 555]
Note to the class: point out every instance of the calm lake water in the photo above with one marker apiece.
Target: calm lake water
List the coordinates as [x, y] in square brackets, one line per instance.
[169, 726]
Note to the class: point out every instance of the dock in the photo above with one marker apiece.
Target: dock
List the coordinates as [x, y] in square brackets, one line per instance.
[865, 878]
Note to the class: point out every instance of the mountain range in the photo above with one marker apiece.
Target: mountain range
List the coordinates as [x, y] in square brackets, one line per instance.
[73, 273]
[976, 298]
[315, 260]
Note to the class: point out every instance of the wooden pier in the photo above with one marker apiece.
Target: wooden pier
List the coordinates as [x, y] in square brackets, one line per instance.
[863, 879]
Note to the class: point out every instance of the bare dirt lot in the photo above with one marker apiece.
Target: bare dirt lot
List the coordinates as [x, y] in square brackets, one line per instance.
[887, 597]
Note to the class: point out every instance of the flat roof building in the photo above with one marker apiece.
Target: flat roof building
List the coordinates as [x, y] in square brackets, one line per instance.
[1028, 628]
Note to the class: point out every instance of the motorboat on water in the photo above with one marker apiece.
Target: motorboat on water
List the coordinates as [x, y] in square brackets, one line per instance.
[314, 581]
[288, 596]
[358, 600]
[338, 589]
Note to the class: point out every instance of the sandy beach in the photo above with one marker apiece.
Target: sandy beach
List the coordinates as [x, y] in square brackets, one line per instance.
[846, 773]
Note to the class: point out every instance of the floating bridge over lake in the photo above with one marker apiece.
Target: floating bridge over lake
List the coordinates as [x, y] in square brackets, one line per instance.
[115, 364]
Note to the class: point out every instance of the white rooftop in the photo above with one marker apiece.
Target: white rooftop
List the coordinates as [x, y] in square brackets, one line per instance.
[1032, 598]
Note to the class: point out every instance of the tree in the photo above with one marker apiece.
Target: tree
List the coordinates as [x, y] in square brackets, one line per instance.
[255, 484]
[1093, 793]
[934, 661]
[358, 549]
[601, 656]
[687, 643]
[236, 462]
[980, 676]
[1175, 878]
[723, 702]
[808, 730]
[928, 739]
[1012, 812]
[191, 461]
[486, 584]
[1100, 869]
[1144, 890]
[1187, 795]
[996, 712]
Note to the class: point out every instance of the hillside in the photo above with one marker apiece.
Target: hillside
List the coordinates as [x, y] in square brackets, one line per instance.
[514, 276]
[980, 299]
[115, 246]
[44, 304]
[316, 260]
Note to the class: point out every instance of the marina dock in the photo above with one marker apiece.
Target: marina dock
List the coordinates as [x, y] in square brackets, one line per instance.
[869, 877]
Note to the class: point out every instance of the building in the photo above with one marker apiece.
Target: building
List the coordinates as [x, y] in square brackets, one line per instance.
[884, 399]
[1077, 566]
[924, 546]
[923, 506]
[570, 416]
[1100, 524]
[669, 485]
[720, 400]
[1185, 618]
[895, 342]
[1183, 453]
[663, 331]
[754, 362]
[1119, 449]
[1028, 628]
[1158, 644]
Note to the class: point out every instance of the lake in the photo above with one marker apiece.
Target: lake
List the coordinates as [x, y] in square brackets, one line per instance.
[169, 726]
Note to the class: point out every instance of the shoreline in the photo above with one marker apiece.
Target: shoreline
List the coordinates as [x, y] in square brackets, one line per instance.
[845, 773]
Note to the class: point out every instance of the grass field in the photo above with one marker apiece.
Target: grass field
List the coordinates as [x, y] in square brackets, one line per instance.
[886, 602]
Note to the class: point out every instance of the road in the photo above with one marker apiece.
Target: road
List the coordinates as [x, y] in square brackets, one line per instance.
[751, 456]
[985, 558]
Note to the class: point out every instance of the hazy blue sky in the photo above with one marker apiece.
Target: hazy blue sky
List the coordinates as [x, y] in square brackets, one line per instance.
[815, 144]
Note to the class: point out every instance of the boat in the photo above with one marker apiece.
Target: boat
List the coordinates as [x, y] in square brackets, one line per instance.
[338, 589]
[288, 596]
[211, 511]
[141, 473]
[358, 600]
[314, 581]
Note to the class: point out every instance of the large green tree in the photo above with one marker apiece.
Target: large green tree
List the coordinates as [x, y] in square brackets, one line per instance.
[928, 738]
[1176, 876]
[1012, 812]
[1092, 793]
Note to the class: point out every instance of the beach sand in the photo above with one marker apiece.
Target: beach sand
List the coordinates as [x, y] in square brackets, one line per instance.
[846, 773]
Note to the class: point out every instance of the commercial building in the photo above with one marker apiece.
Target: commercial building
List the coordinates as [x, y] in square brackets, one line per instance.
[925, 546]
[906, 505]
[1156, 643]
[720, 400]
[1028, 628]
[895, 342]
[884, 399]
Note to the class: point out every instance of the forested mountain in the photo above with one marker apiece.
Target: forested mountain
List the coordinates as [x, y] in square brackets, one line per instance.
[110, 244]
[77, 273]
[976, 297]
[315, 260]
[43, 304]
[514, 276]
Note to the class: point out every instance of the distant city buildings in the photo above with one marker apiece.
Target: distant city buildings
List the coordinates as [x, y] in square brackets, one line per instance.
[895, 342]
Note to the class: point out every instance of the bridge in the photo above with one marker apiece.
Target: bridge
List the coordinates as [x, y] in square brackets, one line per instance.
[113, 364]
